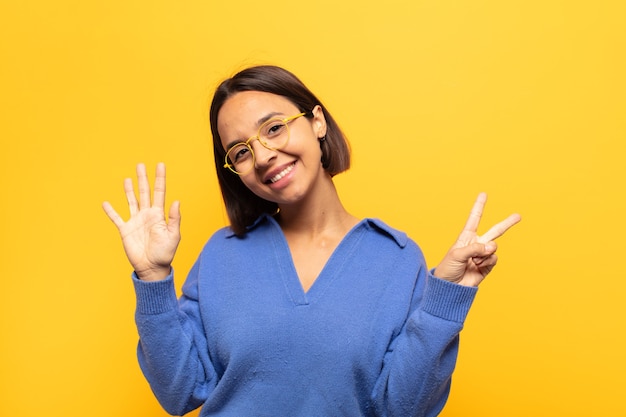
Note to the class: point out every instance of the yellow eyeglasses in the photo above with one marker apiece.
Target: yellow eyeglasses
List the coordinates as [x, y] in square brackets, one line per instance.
[273, 134]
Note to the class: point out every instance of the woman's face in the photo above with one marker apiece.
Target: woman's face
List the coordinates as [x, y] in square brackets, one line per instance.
[284, 176]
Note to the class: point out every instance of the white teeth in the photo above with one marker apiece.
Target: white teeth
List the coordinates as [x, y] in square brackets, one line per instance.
[281, 174]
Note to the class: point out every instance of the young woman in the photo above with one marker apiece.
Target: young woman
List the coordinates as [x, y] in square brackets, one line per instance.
[298, 308]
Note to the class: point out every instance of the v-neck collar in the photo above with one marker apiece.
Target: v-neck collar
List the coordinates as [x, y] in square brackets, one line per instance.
[344, 252]
[335, 263]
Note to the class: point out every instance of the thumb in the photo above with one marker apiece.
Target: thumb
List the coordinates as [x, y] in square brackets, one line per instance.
[174, 216]
[474, 250]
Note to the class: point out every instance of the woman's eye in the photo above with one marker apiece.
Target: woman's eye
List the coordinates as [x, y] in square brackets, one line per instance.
[240, 153]
[275, 129]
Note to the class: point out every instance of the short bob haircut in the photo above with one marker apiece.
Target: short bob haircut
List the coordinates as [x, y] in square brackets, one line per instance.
[242, 206]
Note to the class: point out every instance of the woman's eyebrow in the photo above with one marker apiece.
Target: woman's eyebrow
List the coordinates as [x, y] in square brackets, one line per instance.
[267, 117]
[259, 123]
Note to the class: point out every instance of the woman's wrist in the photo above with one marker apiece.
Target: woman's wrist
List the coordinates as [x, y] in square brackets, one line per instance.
[154, 274]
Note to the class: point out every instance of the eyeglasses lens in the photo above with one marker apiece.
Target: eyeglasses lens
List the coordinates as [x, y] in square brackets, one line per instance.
[273, 134]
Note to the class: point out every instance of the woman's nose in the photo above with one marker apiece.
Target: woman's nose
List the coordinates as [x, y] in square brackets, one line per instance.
[262, 155]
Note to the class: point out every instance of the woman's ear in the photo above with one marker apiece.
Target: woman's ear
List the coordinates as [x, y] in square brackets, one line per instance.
[319, 121]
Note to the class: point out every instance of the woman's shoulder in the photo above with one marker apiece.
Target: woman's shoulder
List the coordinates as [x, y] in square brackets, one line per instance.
[382, 228]
[382, 234]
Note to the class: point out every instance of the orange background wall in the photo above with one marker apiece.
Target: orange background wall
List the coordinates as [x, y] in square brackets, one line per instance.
[440, 99]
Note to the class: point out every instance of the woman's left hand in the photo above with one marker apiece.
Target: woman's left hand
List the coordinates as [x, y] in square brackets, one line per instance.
[472, 257]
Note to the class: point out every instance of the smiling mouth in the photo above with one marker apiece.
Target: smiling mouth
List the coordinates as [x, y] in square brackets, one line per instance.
[281, 174]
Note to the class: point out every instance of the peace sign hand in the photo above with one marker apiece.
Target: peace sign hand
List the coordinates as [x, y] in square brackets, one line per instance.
[472, 257]
[149, 241]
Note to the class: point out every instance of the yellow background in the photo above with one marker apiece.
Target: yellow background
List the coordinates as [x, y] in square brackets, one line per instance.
[441, 100]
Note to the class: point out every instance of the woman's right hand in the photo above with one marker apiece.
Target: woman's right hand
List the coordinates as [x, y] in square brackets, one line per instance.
[149, 240]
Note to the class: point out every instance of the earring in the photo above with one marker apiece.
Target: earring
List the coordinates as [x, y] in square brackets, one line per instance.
[322, 139]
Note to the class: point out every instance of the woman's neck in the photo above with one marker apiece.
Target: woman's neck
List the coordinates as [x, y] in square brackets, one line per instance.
[317, 216]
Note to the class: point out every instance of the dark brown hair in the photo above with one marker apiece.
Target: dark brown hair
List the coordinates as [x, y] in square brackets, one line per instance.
[242, 205]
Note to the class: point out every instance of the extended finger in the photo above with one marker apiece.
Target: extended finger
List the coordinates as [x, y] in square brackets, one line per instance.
[500, 228]
[144, 186]
[130, 196]
[475, 215]
[110, 211]
[159, 186]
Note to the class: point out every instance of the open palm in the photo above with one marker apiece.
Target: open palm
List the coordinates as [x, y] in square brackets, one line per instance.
[149, 240]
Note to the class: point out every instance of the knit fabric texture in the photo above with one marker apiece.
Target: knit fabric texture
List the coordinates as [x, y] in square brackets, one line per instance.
[375, 335]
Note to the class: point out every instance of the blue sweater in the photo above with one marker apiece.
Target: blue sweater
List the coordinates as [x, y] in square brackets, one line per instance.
[375, 335]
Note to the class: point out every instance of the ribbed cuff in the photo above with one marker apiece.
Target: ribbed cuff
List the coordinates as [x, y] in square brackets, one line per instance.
[155, 297]
[447, 300]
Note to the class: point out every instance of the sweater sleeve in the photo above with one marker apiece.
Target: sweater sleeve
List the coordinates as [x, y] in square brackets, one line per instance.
[418, 365]
[172, 350]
